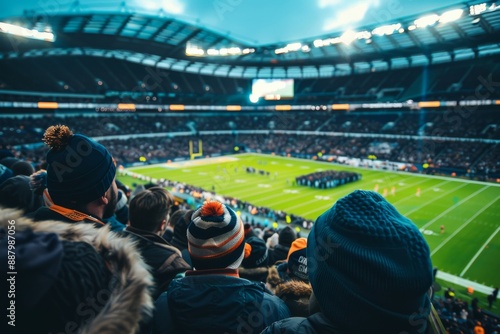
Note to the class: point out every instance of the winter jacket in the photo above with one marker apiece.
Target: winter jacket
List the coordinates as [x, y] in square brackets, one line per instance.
[164, 259]
[126, 300]
[279, 252]
[314, 324]
[216, 303]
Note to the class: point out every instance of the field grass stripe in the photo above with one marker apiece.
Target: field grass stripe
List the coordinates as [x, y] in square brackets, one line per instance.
[423, 191]
[478, 252]
[447, 210]
[463, 226]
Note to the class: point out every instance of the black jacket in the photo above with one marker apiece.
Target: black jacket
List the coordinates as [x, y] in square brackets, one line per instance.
[278, 253]
[164, 259]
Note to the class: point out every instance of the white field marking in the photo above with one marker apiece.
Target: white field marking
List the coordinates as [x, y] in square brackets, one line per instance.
[412, 185]
[322, 198]
[463, 226]
[263, 185]
[304, 167]
[464, 282]
[190, 163]
[401, 184]
[450, 208]
[240, 181]
[380, 181]
[202, 173]
[290, 191]
[274, 163]
[288, 165]
[479, 252]
[436, 189]
[186, 170]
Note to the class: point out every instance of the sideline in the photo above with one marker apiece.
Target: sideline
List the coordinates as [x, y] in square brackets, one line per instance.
[464, 282]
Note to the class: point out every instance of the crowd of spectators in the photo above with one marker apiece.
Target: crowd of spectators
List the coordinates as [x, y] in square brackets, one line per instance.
[327, 179]
[206, 270]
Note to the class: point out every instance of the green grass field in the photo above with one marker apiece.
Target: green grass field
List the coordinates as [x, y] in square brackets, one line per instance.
[470, 211]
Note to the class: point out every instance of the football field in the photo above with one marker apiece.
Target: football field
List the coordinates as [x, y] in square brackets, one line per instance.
[468, 210]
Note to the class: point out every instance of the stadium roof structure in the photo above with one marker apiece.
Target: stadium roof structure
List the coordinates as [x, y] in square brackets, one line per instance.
[467, 31]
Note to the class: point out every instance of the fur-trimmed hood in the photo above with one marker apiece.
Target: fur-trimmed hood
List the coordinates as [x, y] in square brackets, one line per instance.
[129, 299]
[296, 296]
[258, 274]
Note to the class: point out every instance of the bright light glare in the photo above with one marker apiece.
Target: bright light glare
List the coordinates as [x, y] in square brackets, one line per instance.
[426, 21]
[254, 98]
[386, 30]
[477, 9]
[451, 15]
[348, 37]
[24, 32]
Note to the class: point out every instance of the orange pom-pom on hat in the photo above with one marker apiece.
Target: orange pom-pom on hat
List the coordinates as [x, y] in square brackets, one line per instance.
[215, 237]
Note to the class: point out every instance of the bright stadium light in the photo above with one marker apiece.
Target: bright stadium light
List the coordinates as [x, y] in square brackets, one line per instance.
[28, 33]
[451, 15]
[348, 37]
[318, 43]
[293, 46]
[426, 21]
[254, 98]
[387, 29]
[477, 9]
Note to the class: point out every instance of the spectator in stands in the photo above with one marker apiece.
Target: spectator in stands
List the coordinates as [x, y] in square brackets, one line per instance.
[80, 178]
[254, 265]
[478, 329]
[23, 168]
[73, 278]
[213, 298]
[370, 270]
[280, 252]
[294, 268]
[179, 240]
[296, 295]
[5, 173]
[149, 212]
[15, 192]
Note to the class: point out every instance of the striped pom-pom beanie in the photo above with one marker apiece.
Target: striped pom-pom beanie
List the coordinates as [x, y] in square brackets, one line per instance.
[370, 267]
[216, 238]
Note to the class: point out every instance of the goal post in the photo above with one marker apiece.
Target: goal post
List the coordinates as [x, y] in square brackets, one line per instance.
[193, 154]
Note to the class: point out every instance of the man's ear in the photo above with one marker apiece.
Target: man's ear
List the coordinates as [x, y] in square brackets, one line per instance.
[163, 225]
[103, 200]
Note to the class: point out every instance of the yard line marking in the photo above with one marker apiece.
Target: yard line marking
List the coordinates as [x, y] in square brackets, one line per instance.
[479, 252]
[412, 185]
[452, 207]
[463, 226]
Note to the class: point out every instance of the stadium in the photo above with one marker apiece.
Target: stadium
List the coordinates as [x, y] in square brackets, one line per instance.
[280, 124]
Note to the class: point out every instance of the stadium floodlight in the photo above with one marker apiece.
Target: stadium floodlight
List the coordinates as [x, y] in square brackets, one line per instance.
[12, 29]
[426, 21]
[294, 46]
[386, 30]
[451, 15]
[348, 37]
[194, 51]
[412, 27]
[247, 51]
[318, 43]
[212, 52]
[478, 9]
[254, 98]
[305, 48]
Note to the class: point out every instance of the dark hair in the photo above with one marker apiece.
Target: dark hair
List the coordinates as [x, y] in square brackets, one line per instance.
[149, 208]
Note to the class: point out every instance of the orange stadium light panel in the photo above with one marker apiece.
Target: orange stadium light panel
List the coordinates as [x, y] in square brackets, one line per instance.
[344, 106]
[497, 102]
[429, 104]
[233, 108]
[126, 106]
[48, 105]
[176, 107]
[284, 107]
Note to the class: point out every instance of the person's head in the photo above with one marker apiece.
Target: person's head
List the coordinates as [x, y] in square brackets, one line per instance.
[370, 267]
[297, 260]
[286, 236]
[150, 209]
[22, 168]
[80, 172]
[256, 253]
[216, 238]
[16, 193]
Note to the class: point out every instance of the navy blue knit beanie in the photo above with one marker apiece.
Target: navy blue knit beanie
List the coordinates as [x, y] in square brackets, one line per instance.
[79, 169]
[370, 267]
